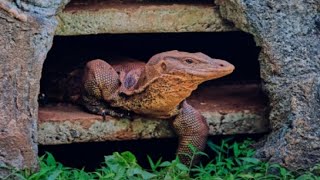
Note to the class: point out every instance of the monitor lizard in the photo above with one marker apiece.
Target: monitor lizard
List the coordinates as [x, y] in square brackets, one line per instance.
[158, 89]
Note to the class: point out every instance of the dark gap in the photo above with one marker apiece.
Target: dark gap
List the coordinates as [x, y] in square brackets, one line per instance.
[71, 52]
[90, 155]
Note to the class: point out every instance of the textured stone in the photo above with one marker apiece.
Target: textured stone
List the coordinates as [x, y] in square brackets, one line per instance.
[232, 109]
[287, 31]
[289, 34]
[26, 32]
[94, 17]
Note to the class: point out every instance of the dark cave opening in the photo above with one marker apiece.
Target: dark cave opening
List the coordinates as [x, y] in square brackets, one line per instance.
[238, 48]
[72, 52]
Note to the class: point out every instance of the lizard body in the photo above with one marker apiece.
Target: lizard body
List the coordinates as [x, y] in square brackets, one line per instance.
[158, 89]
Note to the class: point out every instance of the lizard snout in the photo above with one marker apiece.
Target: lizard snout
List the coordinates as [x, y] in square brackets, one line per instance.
[222, 65]
[219, 68]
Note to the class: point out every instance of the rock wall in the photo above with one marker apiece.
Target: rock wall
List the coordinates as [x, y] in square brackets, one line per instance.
[289, 34]
[26, 33]
[287, 31]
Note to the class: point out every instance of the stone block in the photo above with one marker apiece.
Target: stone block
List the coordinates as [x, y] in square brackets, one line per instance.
[230, 109]
[96, 17]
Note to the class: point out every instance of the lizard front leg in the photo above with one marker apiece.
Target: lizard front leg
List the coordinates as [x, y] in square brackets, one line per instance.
[100, 85]
[192, 129]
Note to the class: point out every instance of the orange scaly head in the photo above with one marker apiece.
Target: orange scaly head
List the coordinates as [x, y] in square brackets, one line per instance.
[195, 66]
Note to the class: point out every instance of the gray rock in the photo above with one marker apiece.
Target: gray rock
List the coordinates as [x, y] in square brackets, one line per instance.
[109, 17]
[240, 110]
[288, 32]
[25, 38]
[54, 129]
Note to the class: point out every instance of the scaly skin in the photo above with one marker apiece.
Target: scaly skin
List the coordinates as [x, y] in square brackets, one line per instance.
[191, 128]
[158, 89]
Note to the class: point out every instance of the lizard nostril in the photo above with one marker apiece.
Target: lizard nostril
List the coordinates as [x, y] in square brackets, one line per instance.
[221, 65]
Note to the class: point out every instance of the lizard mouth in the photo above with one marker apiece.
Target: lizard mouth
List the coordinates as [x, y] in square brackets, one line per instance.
[217, 69]
[214, 74]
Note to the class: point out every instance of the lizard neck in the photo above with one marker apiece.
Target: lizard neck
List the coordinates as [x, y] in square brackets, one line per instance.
[148, 76]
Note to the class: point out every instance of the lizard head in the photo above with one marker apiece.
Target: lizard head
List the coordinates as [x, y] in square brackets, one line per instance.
[195, 66]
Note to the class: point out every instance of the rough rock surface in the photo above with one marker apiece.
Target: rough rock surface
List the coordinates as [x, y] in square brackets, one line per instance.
[94, 17]
[228, 109]
[289, 34]
[26, 33]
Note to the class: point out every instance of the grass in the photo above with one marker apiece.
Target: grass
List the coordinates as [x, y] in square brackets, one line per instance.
[232, 161]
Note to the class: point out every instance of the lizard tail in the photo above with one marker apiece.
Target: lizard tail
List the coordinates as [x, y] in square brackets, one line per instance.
[192, 130]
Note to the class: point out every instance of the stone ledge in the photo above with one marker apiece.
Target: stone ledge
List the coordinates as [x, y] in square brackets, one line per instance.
[233, 109]
[109, 17]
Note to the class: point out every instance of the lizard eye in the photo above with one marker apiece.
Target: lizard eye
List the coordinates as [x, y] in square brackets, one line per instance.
[163, 66]
[189, 61]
